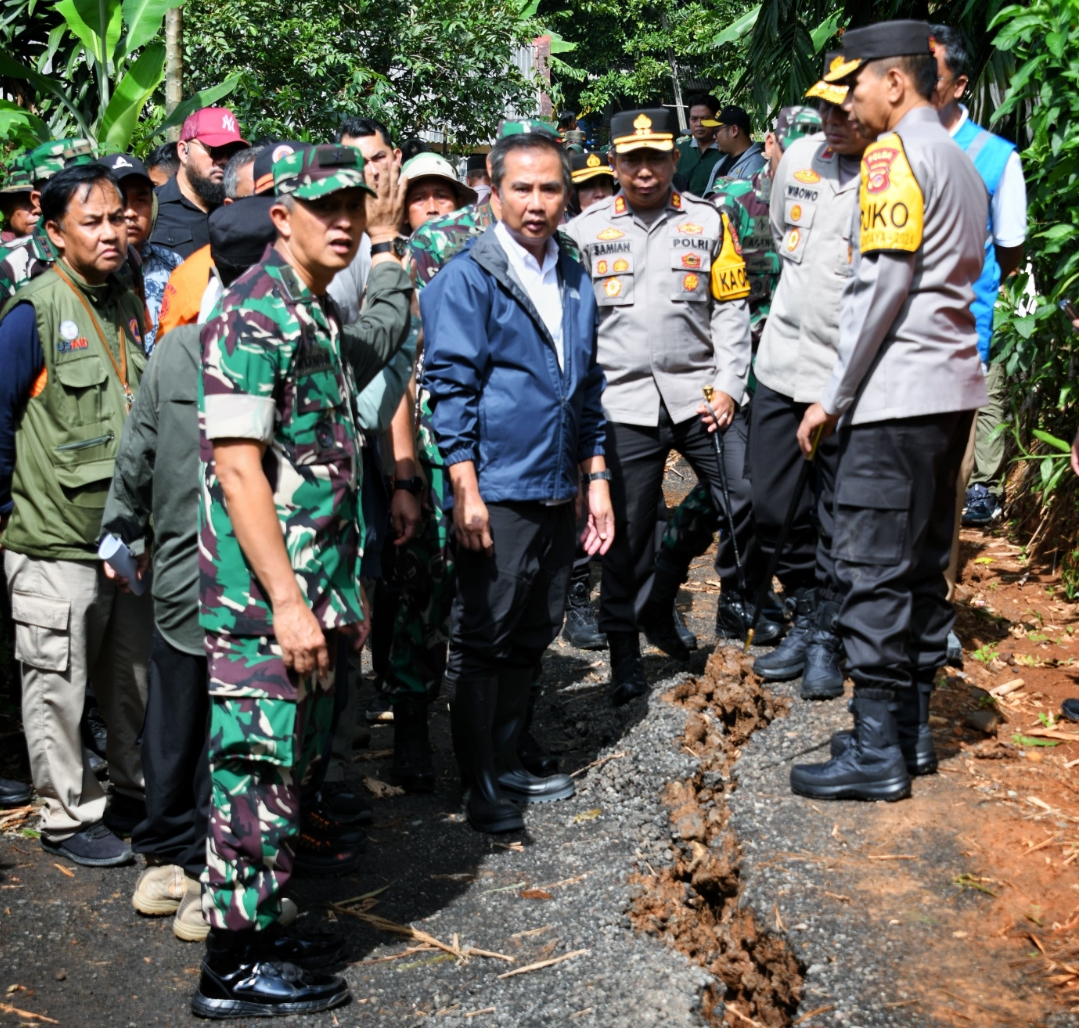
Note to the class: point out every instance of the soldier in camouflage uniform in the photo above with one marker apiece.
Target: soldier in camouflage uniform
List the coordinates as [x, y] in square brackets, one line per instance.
[692, 526]
[424, 565]
[26, 258]
[279, 561]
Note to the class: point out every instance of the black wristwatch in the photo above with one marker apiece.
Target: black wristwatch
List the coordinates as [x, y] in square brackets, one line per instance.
[391, 247]
[412, 485]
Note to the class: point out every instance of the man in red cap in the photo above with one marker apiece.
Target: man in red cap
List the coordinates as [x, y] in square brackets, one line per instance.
[207, 140]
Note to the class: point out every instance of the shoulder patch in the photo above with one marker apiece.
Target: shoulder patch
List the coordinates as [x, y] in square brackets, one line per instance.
[807, 175]
[610, 233]
[891, 201]
[690, 229]
[620, 205]
[729, 278]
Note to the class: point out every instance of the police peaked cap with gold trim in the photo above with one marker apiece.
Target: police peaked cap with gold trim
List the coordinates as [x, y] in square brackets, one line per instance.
[885, 39]
[654, 128]
[830, 92]
[585, 166]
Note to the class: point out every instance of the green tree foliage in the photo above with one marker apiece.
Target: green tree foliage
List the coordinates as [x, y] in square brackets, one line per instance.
[430, 64]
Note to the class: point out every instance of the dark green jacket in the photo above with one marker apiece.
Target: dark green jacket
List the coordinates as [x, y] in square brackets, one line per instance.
[696, 167]
[69, 432]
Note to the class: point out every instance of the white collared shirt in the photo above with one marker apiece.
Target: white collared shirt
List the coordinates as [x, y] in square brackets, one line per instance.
[1009, 204]
[540, 281]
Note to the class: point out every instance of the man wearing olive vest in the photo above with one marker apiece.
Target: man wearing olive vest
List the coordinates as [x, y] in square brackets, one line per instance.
[71, 347]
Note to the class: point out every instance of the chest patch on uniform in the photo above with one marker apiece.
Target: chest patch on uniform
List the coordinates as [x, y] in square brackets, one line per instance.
[621, 264]
[69, 331]
[313, 358]
[610, 233]
[690, 229]
[796, 212]
[793, 239]
[67, 345]
[691, 260]
[891, 201]
[807, 175]
[729, 278]
[613, 287]
[601, 267]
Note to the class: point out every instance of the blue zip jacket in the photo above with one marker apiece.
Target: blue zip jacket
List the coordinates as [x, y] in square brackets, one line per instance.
[498, 397]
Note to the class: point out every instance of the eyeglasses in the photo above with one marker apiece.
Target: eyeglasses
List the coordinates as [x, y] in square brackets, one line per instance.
[217, 153]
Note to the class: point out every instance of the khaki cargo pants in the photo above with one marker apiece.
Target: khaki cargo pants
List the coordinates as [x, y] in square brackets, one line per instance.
[74, 628]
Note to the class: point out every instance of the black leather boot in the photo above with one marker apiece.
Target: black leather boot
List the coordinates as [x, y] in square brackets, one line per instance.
[627, 668]
[657, 616]
[529, 749]
[915, 738]
[580, 629]
[511, 713]
[472, 718]
[871, 767]
[412, 766]
[14, 794]
[240, 978]
[787, 660]
[822, 677]
[733, 615]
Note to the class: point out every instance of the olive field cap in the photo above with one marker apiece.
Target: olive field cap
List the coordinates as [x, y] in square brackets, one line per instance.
[212, 126]
[732, 114]
[124, 166]
[19, 178]
[524, 126]
[320, 171]
[585, 166]
[829, 92]
[268, 156]
[795, 123]
[898, 38]
[432, 165]
[653, 129]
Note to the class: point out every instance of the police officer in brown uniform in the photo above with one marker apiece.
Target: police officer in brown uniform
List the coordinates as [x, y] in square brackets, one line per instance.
[671, 287]
[906, 381]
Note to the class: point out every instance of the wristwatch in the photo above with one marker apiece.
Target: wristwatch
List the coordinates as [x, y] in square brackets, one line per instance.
[412, 485]
[598, 476]
[390, 247]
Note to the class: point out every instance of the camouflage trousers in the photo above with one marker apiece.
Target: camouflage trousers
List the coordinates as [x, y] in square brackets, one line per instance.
[268, 728]
[690, 530]
[425, 573]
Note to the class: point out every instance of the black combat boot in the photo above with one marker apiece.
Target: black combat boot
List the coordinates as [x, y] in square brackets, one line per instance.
[787, 660]
[872, 766]
[529, 749]
[412, 766]
[822, 677]
[658, 618]
[242, 978]
[915, 738]
[472, 718]
[627, 668]
[733, 615]
[511, 714]
[580, 629]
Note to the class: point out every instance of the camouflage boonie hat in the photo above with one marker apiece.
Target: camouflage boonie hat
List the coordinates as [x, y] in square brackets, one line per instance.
[19, 178]
[795, 123]
[45, 161]
[310, 174]
[524, 126]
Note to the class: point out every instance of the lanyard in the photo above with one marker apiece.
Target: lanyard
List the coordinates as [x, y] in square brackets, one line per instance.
[121, 368]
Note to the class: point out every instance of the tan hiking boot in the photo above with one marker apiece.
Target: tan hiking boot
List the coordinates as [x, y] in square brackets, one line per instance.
[159, 890]
[190, 925]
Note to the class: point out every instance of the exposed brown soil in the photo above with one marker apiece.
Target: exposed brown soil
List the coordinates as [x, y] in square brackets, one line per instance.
[693, 904]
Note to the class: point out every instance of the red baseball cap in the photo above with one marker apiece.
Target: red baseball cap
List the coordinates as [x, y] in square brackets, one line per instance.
[214, 126]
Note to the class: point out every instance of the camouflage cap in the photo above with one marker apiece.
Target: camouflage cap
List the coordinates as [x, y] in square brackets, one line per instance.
[310, 174]
[523, 126]
[51, 158]
[794, 123]
[19, 177]
[77, 151]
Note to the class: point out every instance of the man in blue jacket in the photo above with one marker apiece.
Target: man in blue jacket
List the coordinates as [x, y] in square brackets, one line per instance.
[510, 328]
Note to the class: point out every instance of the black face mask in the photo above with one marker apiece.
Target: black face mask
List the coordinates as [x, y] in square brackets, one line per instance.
[210, 192]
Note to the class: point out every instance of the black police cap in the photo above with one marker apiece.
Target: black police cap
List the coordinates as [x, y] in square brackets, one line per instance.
[653, 128]
[898, 38]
